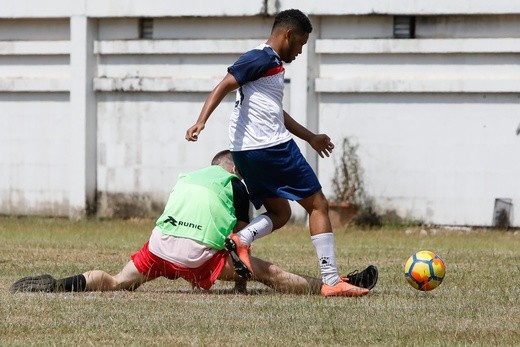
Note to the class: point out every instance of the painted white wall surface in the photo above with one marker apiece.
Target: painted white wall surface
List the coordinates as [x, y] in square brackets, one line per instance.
[439, 167]
[93, 112]
[33, 153]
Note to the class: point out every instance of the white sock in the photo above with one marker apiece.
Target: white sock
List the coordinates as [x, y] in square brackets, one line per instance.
[324, 245]
[259, 227]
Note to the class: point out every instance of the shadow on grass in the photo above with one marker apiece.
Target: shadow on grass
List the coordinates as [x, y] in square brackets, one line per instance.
[255, 291]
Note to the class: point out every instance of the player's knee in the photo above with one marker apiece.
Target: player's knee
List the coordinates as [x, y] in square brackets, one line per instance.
[324, 205]
[275, 271]
[111, 284]
[316, 202]
[320, 203]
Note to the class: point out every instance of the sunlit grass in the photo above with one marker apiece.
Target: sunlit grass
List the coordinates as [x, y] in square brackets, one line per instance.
[477, 304]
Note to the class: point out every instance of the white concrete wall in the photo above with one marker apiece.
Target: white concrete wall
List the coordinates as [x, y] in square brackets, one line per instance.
[34, 116]
[435, 117]
[92, 115]
[444, 159]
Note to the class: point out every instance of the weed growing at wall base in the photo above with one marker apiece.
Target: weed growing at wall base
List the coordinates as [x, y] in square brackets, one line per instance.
[477, 304]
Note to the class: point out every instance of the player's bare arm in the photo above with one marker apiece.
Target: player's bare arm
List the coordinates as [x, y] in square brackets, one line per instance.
[227, 85]
[319, 142]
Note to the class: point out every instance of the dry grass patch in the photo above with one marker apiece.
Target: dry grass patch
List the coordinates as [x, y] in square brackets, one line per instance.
[478, 303]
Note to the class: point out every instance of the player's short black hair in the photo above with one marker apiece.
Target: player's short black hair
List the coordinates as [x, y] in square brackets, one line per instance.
[294, 19]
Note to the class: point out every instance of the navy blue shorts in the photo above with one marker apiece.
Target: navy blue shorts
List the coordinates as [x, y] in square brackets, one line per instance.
[280, 171]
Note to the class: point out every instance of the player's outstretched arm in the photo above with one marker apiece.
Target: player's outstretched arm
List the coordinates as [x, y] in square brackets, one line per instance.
[319, 142]
[227, 85]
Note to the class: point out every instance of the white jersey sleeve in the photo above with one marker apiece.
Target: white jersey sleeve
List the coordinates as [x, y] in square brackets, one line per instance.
[257, 120]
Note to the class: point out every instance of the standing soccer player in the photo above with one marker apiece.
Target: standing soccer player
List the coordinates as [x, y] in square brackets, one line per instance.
[266, 155]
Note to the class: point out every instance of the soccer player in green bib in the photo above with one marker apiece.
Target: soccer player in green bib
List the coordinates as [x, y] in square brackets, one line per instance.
[204, 207]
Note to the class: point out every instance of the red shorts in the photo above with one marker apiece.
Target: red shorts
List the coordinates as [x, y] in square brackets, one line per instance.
[203, 277]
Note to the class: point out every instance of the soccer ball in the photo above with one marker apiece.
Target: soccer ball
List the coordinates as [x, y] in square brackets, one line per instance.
[424, 270]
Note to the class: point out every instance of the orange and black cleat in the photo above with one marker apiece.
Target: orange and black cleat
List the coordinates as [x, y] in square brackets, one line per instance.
[342, 288]
[239, 253]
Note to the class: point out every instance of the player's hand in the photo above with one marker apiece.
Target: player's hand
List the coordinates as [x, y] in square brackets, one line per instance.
[192, 134]
[321, 144]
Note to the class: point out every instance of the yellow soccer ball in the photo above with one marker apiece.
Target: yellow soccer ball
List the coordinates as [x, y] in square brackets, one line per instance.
[424, 270]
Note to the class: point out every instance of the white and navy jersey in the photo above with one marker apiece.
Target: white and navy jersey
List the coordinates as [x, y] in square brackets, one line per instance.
[257, 120]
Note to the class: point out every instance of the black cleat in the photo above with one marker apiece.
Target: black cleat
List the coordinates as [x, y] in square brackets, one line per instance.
[42, 283]
[364, 279]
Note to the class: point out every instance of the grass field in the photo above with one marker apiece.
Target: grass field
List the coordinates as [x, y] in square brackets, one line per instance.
[477, 304]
